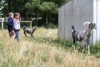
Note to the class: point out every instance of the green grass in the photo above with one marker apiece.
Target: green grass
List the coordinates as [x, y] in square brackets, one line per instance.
[95, 50]
[45, 50]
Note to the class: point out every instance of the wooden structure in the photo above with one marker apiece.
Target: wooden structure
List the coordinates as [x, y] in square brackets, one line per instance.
[2, 23]
[76, 12]
[27, 22]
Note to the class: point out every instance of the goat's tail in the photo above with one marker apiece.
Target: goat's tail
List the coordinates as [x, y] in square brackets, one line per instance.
[73, 28]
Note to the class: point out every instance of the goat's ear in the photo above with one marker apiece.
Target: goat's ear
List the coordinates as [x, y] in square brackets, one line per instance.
[90, 23]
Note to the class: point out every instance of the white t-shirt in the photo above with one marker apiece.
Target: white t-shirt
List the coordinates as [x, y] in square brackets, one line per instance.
[16, 24]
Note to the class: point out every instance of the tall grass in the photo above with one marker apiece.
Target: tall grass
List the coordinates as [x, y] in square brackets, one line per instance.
[42, 51]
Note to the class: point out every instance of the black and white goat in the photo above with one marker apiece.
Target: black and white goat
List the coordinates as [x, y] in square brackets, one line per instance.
[83, 36]
[29, 31]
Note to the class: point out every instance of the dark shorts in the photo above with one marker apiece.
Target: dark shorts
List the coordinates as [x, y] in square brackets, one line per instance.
[10, 28]
[11, 32]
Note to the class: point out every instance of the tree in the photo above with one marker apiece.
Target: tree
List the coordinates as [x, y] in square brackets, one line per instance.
[1, 6]
[15, 6]
[34, 5]
[58, 2]
[49, 8]
[46, 9]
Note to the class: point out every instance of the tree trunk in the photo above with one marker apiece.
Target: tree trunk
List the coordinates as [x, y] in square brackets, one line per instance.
[9, 3]
[36, 16]
[46, 19]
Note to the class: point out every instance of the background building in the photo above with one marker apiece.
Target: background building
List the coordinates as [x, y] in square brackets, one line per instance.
[76, 12]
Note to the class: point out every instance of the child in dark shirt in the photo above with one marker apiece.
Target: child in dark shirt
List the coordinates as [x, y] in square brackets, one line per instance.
[10, 24]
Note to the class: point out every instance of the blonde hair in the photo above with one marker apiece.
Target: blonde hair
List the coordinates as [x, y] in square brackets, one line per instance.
[17, 14]
[11, 13]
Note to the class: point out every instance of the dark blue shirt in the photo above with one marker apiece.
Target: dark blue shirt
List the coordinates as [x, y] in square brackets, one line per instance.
[10, 24]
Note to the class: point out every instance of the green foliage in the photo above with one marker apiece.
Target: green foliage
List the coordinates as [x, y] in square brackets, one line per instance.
[58, 2]
[49, 7]
[46, 7]
[51, 25]
[1, 6]
[33, 4]
[95, 50]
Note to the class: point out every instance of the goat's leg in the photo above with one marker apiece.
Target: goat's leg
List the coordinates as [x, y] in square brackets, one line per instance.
[32, 35]
[88, 48]
[74, 41]
[25, 33]
[83, 46]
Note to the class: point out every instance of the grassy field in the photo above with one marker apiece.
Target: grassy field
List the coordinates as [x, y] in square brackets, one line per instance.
[45, 50]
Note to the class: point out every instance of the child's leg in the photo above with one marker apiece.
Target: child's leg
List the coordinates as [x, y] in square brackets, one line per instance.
[17, 35]
[12, 34]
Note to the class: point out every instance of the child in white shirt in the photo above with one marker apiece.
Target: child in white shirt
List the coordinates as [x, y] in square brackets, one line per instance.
[17, 25]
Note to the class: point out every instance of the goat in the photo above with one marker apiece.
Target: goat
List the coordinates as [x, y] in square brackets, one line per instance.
[83, 36]
[29, 31]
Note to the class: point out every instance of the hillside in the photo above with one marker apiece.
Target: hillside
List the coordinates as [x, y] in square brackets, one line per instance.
[42, 51]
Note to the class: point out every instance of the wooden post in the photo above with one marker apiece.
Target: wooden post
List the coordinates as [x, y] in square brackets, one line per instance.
[2, 24]
[30, 24]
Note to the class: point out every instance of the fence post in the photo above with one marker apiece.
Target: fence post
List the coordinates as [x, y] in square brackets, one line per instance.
[2, 25]
[30, 24]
